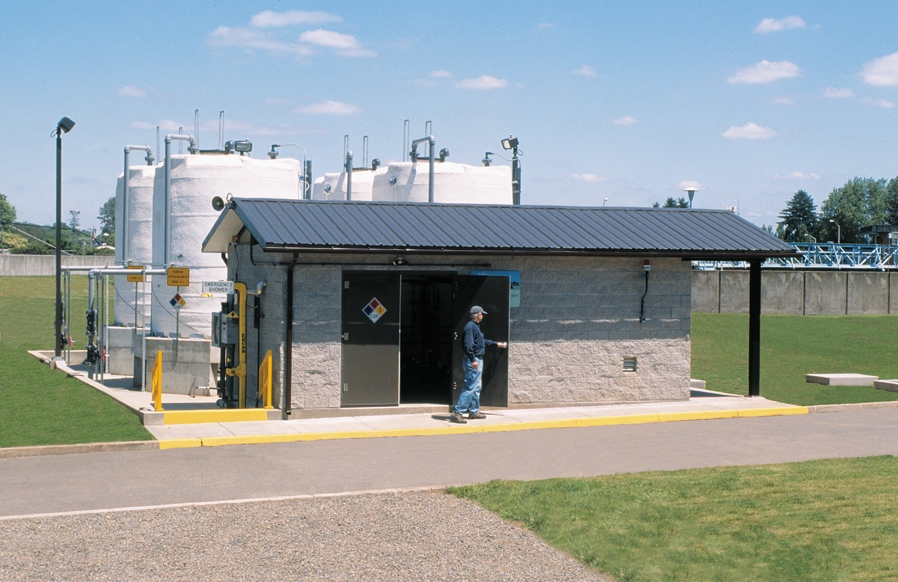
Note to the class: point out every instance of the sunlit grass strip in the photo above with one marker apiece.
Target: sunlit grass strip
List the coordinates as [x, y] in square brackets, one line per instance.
[39, 406]
[792, 346]
[818, 520]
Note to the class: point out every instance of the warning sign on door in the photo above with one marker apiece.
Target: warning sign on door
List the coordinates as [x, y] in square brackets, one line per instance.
[374, 310]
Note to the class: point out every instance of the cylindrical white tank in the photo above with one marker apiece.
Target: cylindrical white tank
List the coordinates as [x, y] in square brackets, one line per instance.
[130, 304]
[195, 181]
[452, 183]
[332, 186]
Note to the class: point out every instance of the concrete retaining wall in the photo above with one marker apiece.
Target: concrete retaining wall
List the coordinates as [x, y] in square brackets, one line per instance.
[45, 265]
[798, 292]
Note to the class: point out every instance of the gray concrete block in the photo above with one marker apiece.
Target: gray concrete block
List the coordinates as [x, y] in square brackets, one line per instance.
[841, 379]
[825, 292]
[868, 293]
[890, 385]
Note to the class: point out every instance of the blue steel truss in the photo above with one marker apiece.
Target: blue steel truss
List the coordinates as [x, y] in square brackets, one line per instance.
[821, 256]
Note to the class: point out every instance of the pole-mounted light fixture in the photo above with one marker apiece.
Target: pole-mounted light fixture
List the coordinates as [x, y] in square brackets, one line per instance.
[64, 125]
[839, 239]
[691, 193]
[511, 143]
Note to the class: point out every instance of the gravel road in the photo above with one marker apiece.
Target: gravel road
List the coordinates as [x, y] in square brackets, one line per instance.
[415, 536]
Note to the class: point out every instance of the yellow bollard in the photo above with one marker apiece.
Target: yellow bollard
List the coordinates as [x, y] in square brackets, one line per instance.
[265, 381]
[157, 382]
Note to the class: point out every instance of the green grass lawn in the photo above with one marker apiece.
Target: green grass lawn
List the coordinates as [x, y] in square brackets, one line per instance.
[819, 520]
[39, 406]
[792, 346]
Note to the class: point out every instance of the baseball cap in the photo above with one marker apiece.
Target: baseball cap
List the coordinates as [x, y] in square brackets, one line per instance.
[477, 309]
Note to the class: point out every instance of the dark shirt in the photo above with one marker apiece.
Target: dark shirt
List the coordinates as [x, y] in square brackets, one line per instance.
[474, 341]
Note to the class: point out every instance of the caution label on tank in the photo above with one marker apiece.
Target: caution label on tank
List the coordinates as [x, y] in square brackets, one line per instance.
[374, 310]
[177, 301]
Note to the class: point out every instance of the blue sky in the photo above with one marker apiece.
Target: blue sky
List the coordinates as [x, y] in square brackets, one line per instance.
[748, 101]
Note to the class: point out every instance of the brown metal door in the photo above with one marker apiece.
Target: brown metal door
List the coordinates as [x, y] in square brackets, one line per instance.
[491, 293]
[370, 339]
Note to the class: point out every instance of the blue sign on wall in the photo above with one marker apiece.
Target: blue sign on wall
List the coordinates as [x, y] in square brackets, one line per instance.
[514, 284]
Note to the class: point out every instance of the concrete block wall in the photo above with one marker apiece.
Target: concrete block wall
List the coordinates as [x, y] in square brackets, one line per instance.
[797, 292]
[45, 265]
[580, 317]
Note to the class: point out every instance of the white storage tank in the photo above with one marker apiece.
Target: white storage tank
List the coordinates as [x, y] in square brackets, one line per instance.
[129, 304]
[332, 185]
[195, 180]
[452, 183]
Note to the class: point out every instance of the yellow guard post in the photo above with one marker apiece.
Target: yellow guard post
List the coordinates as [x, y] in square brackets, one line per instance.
[265, 381]
[157, 382]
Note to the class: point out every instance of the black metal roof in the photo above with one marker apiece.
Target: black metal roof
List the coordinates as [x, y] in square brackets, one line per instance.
[279, 225]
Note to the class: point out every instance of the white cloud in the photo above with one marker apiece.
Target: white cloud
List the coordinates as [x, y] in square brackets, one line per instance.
[588, 177]
[881, 72]
[585, 71]
[765, 72]
[330, 108]
[344, 44]
[749, 131]
[166, 125]
[545, 25]
[131, 91]
[441, 74]
[269, 19]
[628, 120]
[690, 184]
[834, 93]
[797, 176]
[482, 82]
[775, 25]
[784, 101]
[225, 36]
[877, 102]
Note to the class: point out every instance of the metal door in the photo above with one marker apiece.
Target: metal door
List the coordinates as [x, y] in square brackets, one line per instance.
[491, 293]
[370, 339]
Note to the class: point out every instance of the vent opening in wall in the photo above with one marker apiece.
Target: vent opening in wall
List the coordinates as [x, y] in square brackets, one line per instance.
[630, 364]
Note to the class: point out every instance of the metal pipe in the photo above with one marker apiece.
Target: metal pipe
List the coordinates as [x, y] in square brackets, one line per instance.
[348, 168]
[414, 155]
[123, 241]
[196, 126]
[288, 343]
[405, 139]
[221, 119]
[166, 256]
[364, 151]
[57, 342]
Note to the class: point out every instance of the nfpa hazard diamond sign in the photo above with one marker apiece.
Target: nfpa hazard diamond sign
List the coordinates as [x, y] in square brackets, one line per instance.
[177, 301]
[374, 310]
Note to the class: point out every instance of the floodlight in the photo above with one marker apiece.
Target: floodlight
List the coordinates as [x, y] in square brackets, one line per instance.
[510, 143]
[65, 124]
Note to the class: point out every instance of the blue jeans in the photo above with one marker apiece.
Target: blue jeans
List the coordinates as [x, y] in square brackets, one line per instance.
[469, 399]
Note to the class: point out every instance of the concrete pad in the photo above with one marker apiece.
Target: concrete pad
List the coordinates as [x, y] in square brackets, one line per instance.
[890, 385]
[258, 428]
[700, 384]
[841, 379]
[187, 431]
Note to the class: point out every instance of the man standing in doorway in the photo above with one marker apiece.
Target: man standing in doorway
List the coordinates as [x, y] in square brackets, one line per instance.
[472, 360]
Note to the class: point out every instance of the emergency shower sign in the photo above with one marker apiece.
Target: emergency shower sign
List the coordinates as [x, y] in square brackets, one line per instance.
[374, 310]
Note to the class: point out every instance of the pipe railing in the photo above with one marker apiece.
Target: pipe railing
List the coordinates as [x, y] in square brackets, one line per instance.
[126, 202]
[414, 156]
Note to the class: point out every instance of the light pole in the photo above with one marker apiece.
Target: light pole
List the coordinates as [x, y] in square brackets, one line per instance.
[839, 231]
[691, 193]
[604, 202]
[65, 125]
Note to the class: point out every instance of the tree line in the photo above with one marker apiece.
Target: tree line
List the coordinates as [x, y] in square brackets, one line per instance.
[860, 203]
[29, 239]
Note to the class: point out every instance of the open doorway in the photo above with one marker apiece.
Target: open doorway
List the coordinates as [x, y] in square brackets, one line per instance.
[426, 337]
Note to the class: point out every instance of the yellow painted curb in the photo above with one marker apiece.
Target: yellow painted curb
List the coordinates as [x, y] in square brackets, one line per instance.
[773, 411]
[400, 432]
[207, 416]
[704, 415]
[180, 443]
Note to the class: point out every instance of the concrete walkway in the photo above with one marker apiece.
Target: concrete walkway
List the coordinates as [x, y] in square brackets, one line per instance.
[196, 421]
